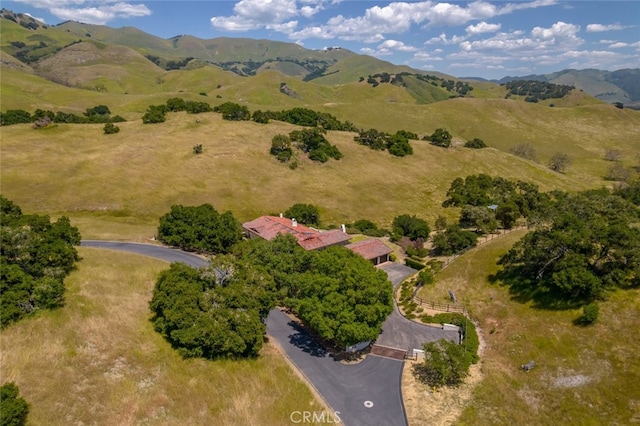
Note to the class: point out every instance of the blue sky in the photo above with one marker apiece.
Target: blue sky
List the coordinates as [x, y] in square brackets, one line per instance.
[489, 39]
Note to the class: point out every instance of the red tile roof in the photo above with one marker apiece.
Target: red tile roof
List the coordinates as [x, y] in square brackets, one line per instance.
[268, 227]
[370, 249]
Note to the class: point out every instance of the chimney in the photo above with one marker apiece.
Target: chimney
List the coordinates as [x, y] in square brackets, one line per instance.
[280, 215]
[294, 222]
[343, 228]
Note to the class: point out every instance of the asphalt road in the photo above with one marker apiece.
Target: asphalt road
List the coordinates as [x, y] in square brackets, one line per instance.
[367, 393]
[399, 332]
[364, 394]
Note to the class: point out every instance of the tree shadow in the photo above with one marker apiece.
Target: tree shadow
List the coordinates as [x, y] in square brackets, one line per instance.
[525, 290]
[303, 340]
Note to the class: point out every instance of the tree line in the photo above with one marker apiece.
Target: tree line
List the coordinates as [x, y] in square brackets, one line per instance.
[458, 87]
[96, 114]
[537, 90]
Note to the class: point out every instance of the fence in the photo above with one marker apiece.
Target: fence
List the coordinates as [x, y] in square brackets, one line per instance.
[443, 307]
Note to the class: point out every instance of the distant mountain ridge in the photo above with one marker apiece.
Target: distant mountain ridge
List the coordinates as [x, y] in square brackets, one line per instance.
[610, 86]
[126, 59]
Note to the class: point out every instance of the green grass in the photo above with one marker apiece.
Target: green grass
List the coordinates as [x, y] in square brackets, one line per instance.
[98, 360]
[584, 375]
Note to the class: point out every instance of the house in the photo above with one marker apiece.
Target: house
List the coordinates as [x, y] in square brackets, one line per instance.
[268, 227]
[373, 250]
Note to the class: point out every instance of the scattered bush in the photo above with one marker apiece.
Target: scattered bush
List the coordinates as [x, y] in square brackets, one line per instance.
[441, 137]
[110, 129]
[155, 114]
[197, 149]
[559, 162]
[475, 143]
[232, 111]
[525, 150]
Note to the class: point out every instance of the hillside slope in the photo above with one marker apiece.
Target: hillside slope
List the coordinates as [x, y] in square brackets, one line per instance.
[609, 86]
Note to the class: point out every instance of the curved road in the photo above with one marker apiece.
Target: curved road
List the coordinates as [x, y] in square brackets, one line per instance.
[367, 393]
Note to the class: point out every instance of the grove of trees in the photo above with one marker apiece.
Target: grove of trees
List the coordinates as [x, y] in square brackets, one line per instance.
[200, 229]
[35, 257]
[397, 144]
[338, 294]
[537, 90]
[213, 312]
[311, 142]
[587, 244]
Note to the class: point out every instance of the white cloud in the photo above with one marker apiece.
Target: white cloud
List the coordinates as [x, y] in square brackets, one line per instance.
[443, 39]
[598, 28]
[399, 17]
[620, 45]
[482, 28]
[397, 46]
[270, 14]
[90, 11]
[559, 37]
[427, 56]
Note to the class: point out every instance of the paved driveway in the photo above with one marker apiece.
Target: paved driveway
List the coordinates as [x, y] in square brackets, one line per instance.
[399, 332]
[365, 394]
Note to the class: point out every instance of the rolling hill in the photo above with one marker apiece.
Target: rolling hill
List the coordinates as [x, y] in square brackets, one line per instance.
[609, 86]
[116, 186]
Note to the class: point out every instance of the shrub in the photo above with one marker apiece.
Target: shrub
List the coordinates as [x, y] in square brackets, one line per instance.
[13, 408]
[441, 137]
[197, 149]
[475, 143]
[304, 213]
[525, 150]
[233, 112]
[445, 363]
[154, 114]
[559, 162]
[110, 129]
[590, 313]
[411, 263]
[426, 276]
[411, 226]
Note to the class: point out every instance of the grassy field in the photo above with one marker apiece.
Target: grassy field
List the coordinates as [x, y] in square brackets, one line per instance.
[584, 375]
[117, 186]
[98, 360]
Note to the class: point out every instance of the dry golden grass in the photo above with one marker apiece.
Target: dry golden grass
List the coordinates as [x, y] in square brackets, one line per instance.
[99, 361]
[117, 186]
[584, 375]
